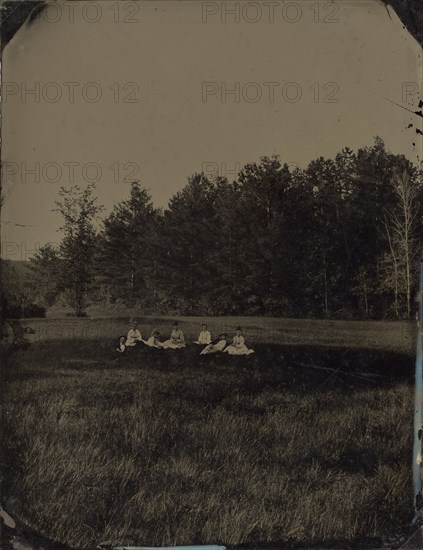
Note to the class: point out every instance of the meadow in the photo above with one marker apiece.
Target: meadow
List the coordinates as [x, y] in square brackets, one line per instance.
[109, 323]
[295, 445]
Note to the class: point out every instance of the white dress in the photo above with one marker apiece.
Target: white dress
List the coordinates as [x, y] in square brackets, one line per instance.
[153, 342]
[204, 338]
[214, 348]
[238, 347]
[176, 340]
[134, 336]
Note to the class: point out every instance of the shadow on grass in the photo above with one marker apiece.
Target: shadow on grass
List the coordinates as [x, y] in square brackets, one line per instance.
[298, 369]
[175, 413]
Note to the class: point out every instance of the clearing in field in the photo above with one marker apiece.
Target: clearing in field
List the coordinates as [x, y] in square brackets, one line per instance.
[294, 444]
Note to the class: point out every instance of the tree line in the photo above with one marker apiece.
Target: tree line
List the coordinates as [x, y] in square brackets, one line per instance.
[338, 239]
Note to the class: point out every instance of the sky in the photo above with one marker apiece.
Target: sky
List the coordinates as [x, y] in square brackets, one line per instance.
[142, 90]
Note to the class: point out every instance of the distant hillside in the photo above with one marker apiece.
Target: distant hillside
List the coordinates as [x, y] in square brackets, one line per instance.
[21, 266]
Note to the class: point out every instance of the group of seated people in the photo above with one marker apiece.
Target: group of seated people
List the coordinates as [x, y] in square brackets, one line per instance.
[177, 341]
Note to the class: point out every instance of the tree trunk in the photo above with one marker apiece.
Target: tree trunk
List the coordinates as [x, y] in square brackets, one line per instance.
[78, 303]
[366, 302]
[395, 266]
[325, 275]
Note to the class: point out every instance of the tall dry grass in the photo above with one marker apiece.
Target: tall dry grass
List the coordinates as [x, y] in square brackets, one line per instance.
[166, 448]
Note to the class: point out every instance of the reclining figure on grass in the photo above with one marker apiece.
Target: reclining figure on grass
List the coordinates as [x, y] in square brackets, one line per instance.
[217, 347]
[153, 341]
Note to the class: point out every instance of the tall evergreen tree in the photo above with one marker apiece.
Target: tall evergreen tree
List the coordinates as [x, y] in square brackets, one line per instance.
[189, 237]
[126, 255]
[261, 212]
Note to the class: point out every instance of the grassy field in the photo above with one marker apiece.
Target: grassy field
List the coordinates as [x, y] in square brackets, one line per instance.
[295, 444]
[384, 335]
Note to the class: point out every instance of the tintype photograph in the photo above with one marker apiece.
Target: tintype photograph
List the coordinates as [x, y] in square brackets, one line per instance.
[211, 243]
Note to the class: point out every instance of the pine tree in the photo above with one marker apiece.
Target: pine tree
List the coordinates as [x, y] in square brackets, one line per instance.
[126, 252]
[189, 238]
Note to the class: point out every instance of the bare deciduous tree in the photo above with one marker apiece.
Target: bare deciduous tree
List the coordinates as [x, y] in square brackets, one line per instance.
[400, 226]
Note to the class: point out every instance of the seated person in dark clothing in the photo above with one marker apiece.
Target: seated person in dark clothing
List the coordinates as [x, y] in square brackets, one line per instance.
[121, 345]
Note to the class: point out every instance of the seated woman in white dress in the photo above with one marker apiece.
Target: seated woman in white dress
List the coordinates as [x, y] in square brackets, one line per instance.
[134, 336]
[176, 340]
[154, 341]
[204, 338]
[238, 346]
[220, 345]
